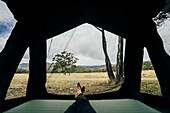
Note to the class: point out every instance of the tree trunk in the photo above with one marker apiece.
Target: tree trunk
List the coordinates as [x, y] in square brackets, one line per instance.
[119, 65]
[107, 60]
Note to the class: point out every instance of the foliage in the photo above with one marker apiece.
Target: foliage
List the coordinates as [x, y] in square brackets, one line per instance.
[22, 71]
[160, 18]
[56, 68]
[114, 68]
[147, 65]
[82, 69]
[64, 60]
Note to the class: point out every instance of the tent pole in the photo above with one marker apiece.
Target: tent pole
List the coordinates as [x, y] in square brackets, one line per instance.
[37, 67]
[11, 56]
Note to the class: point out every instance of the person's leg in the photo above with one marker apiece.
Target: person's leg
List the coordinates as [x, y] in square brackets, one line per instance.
[71, 108]
[83, 105]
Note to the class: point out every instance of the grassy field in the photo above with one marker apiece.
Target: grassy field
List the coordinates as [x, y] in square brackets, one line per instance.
[66, 84]
[148, 74]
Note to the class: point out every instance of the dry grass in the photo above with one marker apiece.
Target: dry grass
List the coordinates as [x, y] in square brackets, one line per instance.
[66, 84]
[148, 74]
[18, 86]
[151, 87]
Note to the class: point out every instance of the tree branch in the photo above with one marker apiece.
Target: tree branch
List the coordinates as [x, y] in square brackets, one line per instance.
[98, 28]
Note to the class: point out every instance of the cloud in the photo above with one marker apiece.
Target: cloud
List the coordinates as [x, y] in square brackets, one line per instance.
[5, 31]
[7, 20]
[2, 43]
[86, 44]
[7, 23]
[5, 14]
[2, 28]
[6, 27]
[86, 60]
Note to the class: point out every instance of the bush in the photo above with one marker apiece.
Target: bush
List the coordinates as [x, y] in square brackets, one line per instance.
[147, 65]
[22, 71]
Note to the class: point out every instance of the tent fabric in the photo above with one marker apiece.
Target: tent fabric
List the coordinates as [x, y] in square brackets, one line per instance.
[61, 17]
[101, 106]
[40, 20]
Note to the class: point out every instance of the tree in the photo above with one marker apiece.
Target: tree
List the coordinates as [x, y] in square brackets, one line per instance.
[160, 18]
[56, 67]
[147, 65]
[107, 60]
[73, 68]
[119, 65]
[64, 60]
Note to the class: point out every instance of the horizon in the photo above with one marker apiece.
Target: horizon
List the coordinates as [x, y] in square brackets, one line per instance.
[81, 65]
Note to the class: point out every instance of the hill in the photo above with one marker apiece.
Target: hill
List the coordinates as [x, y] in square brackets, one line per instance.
[95, 66]
[26, 66]
[23, 66]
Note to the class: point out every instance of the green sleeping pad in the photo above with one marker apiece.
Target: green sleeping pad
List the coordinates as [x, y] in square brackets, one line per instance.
[101, 106]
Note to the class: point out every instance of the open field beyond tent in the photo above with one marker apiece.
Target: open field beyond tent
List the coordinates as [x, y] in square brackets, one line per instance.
[95, 83]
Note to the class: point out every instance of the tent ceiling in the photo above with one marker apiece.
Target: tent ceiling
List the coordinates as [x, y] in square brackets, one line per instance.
[65, 15]
[61, 20]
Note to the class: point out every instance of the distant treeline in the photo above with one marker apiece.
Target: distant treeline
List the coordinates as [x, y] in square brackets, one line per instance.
[19, 70]
[147, 65]
[79, 69]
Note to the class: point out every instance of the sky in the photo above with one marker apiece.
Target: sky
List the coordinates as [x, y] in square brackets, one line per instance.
[85, 44]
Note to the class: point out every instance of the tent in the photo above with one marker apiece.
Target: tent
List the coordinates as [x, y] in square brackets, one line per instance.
[41, 20]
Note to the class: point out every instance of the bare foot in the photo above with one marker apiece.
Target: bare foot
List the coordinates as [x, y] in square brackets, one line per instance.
[83, 90]
[79, 90]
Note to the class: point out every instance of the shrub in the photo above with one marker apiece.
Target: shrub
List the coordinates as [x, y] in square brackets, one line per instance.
[19, 70]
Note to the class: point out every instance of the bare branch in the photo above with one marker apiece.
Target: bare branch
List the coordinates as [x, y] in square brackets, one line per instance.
[98, 28]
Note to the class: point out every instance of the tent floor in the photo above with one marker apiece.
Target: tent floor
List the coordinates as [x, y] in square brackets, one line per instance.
[152, 101]
[101, 106]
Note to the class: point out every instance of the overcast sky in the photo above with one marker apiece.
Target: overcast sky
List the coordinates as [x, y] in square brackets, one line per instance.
[85, 44]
